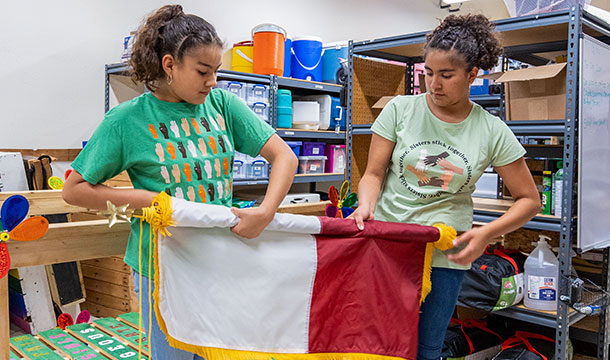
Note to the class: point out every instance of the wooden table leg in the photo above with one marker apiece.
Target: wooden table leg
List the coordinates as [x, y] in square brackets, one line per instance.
[5, 330]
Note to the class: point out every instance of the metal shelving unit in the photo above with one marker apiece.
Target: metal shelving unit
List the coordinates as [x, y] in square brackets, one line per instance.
[525, 39]
[274, 83]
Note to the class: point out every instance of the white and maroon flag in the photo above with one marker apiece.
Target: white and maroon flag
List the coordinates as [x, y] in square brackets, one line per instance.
[307, 288]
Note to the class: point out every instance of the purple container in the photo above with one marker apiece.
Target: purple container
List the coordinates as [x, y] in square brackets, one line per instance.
[313, 149]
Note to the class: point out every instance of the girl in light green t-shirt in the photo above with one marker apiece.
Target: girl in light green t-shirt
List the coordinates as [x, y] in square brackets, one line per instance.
[179, 138]
[428, 151]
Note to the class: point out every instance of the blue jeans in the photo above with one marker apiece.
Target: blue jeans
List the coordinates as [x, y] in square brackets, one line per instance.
[158, 342]
[436, 312]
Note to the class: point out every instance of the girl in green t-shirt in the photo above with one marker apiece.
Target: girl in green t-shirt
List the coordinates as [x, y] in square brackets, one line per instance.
[179, 138]
[426, 153]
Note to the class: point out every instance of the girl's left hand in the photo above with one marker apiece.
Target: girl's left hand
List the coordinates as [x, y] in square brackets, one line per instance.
[252, 221]
[477, 241]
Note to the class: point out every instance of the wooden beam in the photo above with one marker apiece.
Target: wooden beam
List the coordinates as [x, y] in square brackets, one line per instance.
[316, 209]
[44, 202]
[70, 242]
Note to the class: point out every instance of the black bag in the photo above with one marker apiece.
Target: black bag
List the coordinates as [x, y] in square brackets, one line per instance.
[527, 346]
[469, 337]
[494, 282]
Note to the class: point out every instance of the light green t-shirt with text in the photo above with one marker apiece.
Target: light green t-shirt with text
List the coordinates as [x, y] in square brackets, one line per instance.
[435, 164]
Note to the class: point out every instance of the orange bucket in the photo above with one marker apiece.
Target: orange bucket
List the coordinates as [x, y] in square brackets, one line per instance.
[268, 55]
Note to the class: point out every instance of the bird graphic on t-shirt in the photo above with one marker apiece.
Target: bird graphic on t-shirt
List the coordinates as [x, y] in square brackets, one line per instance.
[171, 150]
[160, 152]
[225, 165]
[198, 170]
[203, 147]
[222, 143]
[191, 193]
[152, 129]
[217, 167]
[174, 127]
[179, 193]
[202, 193]
[211, 191]
[186, 127]
[212, 143]
[205, 124]
[187, 172]
[182, 149]
[192, 148]
[176, 173]
[195, 126]
[227, 142]
[219, 184]
[163, 130]
[221, 122]
[208, 169]
[165, 174]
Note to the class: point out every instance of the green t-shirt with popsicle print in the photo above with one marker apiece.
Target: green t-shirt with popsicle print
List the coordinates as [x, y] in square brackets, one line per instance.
[183, 149]
[435, 165]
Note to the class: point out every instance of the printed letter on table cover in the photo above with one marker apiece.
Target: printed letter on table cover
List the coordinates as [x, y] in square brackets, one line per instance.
[317, 287]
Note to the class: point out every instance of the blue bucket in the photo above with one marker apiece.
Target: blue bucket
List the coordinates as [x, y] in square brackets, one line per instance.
[287, 49]
[332, 63]
[306, 60]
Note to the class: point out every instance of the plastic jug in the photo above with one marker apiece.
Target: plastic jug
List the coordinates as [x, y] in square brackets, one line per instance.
[541, 282]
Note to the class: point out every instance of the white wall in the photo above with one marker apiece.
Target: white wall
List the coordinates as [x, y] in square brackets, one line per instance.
[52, 54]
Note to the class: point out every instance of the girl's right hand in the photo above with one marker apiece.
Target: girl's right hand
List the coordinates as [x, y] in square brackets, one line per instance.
[362, 213]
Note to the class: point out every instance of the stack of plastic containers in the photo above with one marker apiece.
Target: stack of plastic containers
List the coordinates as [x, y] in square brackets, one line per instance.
[336, 158]
[313, 160]
[247, 167]
[255, 95]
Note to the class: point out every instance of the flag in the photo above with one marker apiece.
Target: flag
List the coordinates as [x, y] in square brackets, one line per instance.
[306, 288]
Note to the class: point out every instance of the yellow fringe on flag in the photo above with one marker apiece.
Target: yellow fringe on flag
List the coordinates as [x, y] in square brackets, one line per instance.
[445, 242]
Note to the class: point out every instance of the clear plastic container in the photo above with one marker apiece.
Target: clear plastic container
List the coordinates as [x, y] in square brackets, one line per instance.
[235, 87]
[312, 164]
[261, 109]
[541, 282]
[257, 168]
[257, 93]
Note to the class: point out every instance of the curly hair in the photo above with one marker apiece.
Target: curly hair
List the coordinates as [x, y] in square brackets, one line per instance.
[167, 31]
[469, 35]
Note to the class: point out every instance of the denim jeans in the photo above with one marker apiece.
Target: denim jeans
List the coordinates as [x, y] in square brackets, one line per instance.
[436, 312]
[161, 350]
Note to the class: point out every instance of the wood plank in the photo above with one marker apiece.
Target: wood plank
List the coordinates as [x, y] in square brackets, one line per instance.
[111, 276]
[44, 202]
[115, 263]
[316, 209]
[109, 301]
[67, 345]
[123, 292]
[101, 342]
[98, 310]
[124, 332]
[499, 205]
[57, 154]
[5, 329]
[33, 349]
[70, 242]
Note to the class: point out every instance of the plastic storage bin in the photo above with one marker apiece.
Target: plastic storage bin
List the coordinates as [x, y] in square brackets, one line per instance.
[257, 93]
[313, 148]
[295, 146]
[336, 158]
[242, 56]
[301, 198]
[262, 110]
[325, 102]
[284, 108]
[305, 115]
[239, 170]
[312, 164]
[337, 114]
[257, 168]
[306, 59]
[235, 87]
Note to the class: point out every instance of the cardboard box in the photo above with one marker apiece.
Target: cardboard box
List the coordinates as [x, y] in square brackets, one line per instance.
[537, 93]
